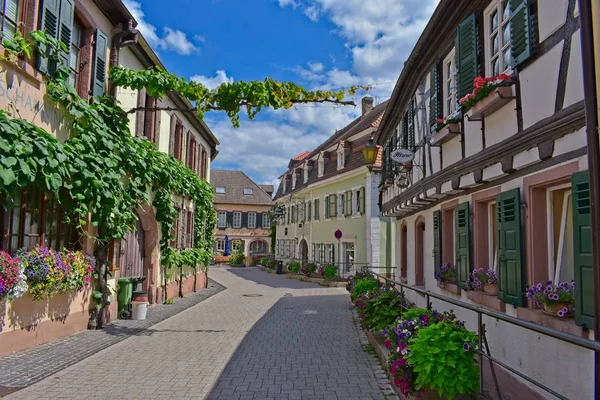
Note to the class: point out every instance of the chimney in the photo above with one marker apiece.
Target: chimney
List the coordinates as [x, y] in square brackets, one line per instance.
[367, 104]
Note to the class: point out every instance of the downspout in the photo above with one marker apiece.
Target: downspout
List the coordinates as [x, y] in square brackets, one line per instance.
[593, 147]
[121, 39]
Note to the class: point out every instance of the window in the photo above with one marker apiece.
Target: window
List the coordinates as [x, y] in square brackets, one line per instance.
[258, 247]
[322, 252]
[237, 219]
[560, 233]
[220, 190]
[220, 244]
[9, 12]
[238, 245]
[332, 206]
[248, 191]
[340, 159]
[252, 220]
[35, 220]
[329, 257]
[222, 217]
[341, 203]
[450, 100]
[294, 180]
[308, 210]
[316, 209]
[321, 166]
[74, 54]
[497, 25]
[265, 220]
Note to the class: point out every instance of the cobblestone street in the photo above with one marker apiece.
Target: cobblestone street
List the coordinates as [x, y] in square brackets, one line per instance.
[263, 337]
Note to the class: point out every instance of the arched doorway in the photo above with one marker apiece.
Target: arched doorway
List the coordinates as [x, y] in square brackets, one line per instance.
[303, 251]
[259, 247]
[403, 251]
[419, 252]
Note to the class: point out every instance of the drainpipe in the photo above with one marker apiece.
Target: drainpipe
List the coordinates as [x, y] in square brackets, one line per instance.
[121, 39]
[593, 147]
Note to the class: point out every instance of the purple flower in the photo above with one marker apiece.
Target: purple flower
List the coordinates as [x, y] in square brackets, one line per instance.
[561, 313]
[466, 346]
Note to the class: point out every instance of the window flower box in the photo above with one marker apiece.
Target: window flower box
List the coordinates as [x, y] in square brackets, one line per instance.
[449, 287]
[538, 316]
[445, 134]
[501, 96]
[485, 300]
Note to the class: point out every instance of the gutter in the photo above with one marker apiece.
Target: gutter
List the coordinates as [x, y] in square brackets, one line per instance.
[593, 144]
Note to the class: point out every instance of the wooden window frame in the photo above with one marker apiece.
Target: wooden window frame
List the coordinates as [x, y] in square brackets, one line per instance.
[496, 6]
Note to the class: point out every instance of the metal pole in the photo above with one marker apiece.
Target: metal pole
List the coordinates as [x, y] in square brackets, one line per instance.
[593, 147]
[480, 344]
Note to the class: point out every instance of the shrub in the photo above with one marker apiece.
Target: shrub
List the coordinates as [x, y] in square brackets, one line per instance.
[442, 356]
[264, 261]
[328, 271]
[272, 263]
[364, 286]
[236, 258]
[353, 279]
[12, 278]
[309, 269]
[380, 309]
[294, 267]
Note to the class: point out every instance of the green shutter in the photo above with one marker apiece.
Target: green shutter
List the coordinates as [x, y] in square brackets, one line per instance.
[510, 254]
[244, 220]
[520, 31]
[348, 207]
[582, 240]
[362, 203]
[434, 95]
[327, 207]
[49, 24]
[229, 219]
[259, 220]
[466, 44]
[99, 75]
[67, 15]
[437, 239]
[463, 244]
[411, 124]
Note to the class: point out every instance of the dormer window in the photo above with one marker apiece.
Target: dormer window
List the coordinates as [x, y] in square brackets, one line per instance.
[321, 166]
[340, 159]
[248, 191]
[294, 180]
[284, 184]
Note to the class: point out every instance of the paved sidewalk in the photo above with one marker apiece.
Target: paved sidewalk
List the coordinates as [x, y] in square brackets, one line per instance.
[264, 337]
[29, 366]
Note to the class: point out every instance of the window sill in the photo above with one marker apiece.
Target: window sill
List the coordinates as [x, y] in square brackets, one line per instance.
[539, 317]
[500, 97]
[27, 69]
[449, 287]
[492, 302]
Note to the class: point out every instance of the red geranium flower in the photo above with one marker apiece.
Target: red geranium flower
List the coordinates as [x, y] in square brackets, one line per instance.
[479, 82]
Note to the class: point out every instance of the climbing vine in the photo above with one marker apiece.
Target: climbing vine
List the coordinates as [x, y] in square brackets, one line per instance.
[105, 172]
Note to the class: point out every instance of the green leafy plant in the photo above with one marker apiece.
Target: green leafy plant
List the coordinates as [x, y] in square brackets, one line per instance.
[308, 269]
[168, 301]
[443, 358]
[328, 271]
[236, 258]
[273, 263]
[381, 310]
[364, 286]
[294, 267]
[264, 261]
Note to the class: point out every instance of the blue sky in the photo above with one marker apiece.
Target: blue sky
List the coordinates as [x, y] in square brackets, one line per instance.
[317, 43]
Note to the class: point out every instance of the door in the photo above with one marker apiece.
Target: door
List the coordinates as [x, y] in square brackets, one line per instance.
[133, 259]
[348, 257]
[304, 251]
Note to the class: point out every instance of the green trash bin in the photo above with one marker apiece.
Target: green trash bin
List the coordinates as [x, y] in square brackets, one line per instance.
[124, 295]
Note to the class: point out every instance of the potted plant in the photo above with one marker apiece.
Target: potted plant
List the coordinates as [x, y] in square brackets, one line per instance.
[236, 259]
[445, 274]
[489, 94]
[308, 269]
[294, 267]
[328, 271]
[556, 300]
[445, 129]
[484, 281]
[12, 277]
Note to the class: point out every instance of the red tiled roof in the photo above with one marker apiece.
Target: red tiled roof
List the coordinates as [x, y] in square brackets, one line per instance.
[301, 156]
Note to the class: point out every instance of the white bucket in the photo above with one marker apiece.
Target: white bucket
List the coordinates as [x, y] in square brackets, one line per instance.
[139, 310]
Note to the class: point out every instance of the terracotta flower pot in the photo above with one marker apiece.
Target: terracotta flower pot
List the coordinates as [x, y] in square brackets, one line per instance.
[490, 289]
[552, 309]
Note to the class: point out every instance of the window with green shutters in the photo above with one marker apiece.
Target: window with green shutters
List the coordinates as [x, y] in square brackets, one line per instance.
[466, 55]
[331, 206]
[582, 241]
[411, 124]
[99, 74]
[510, 247]
[434, 96]
[437, 239]
[50, 24]
[348, 206]
[520, 29]
[463, 244]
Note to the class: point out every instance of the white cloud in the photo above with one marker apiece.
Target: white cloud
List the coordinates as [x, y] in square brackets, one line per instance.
[285, 3]
[312, 13]
[316, 66]
[171, 39]
[213, 82]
